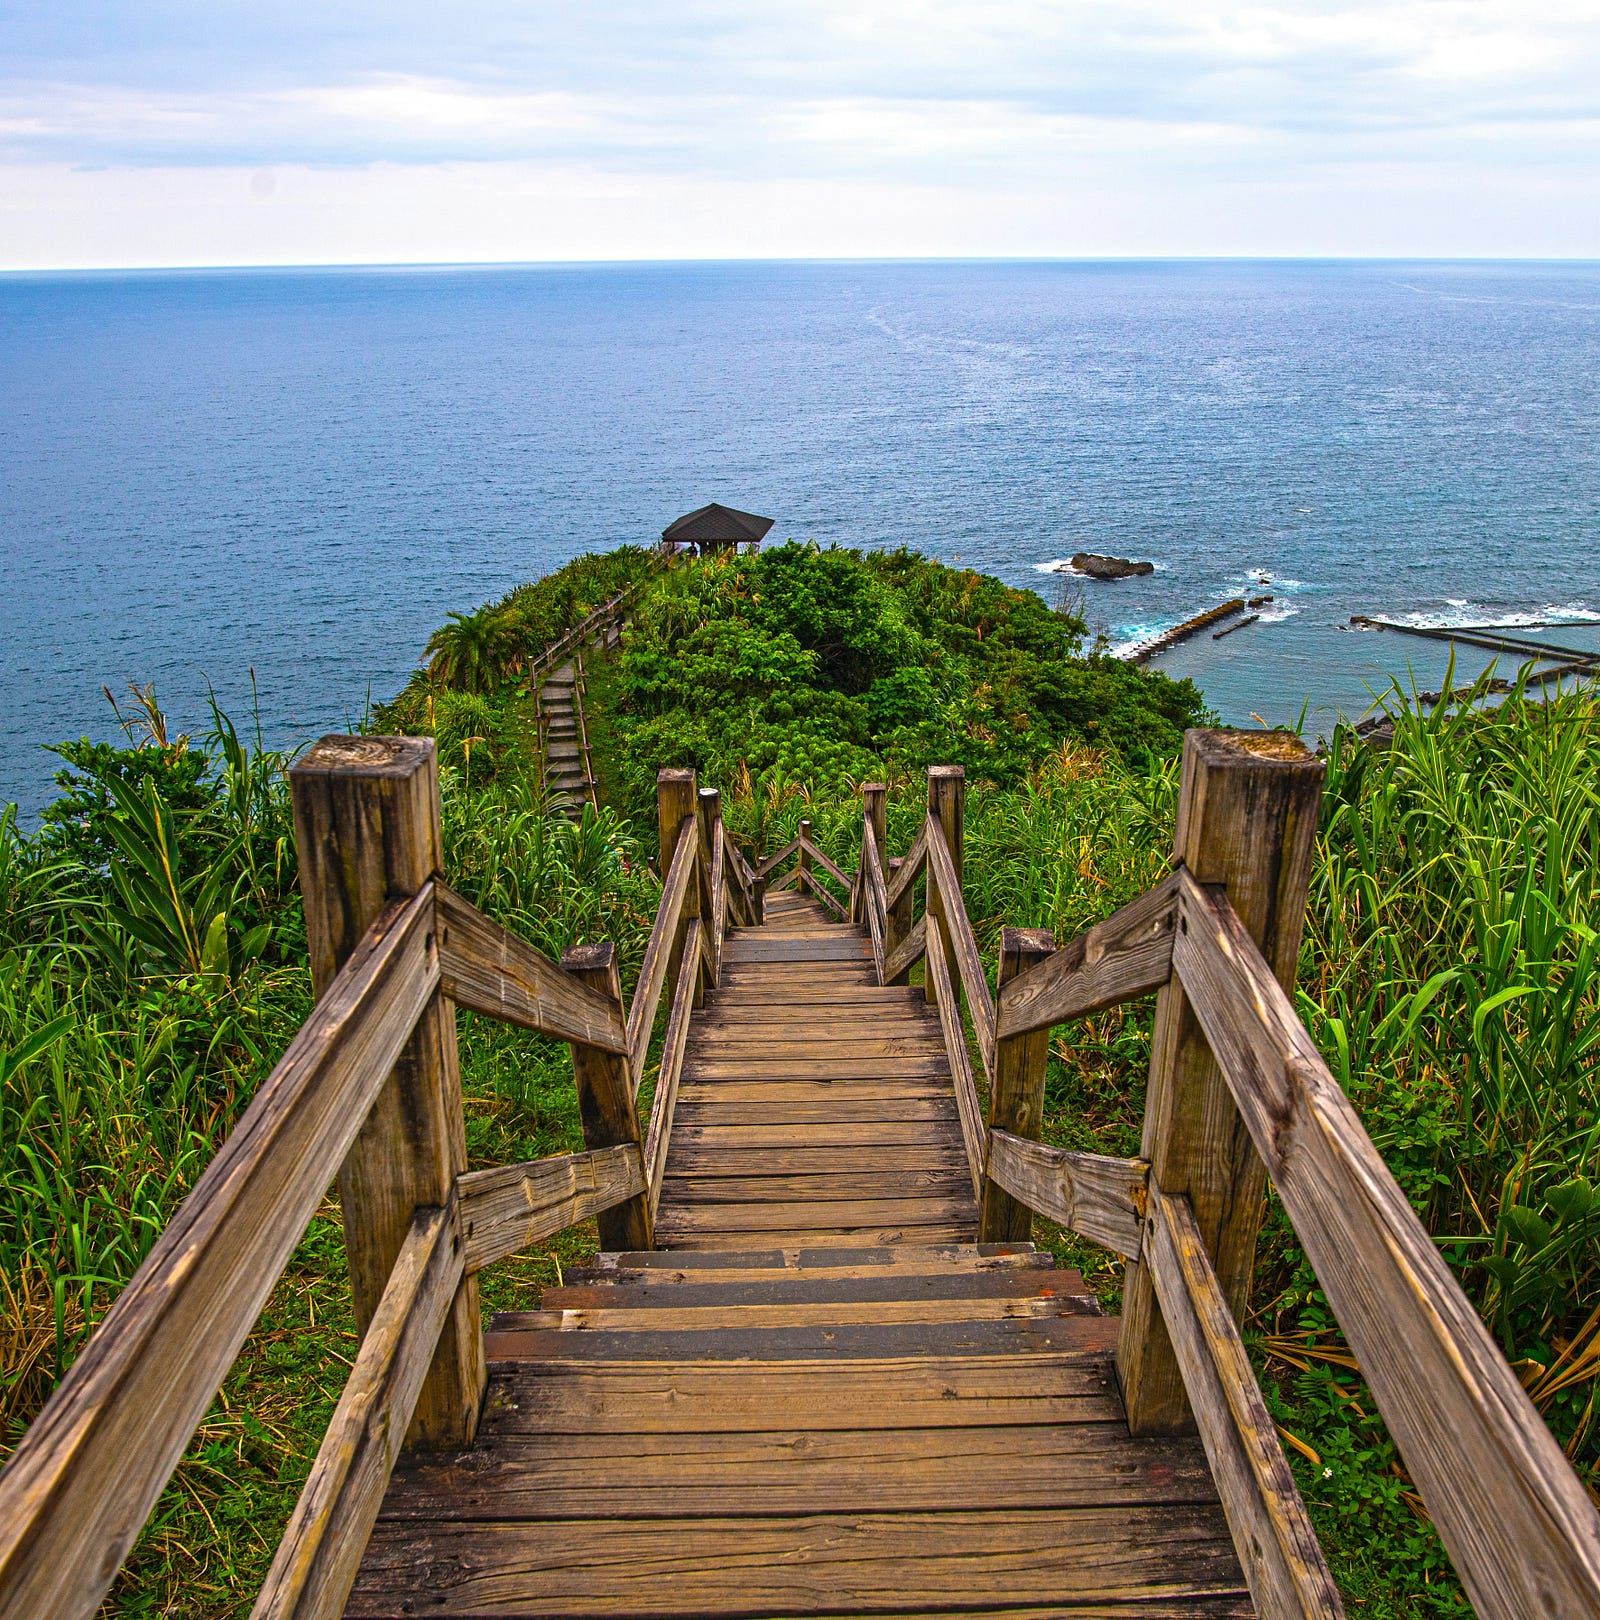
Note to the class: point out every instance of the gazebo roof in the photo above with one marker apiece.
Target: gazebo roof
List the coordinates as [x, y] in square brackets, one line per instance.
[716, 522]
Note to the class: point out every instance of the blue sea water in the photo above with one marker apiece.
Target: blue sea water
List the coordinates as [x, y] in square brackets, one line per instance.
[299, 472]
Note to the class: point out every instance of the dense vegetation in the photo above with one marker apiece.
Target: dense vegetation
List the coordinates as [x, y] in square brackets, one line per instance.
[151, 969]
[824, 666]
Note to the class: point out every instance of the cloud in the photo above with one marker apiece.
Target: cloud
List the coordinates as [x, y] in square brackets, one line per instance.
[1049, 99]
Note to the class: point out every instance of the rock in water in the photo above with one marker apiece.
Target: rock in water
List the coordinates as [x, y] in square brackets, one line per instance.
[1098, 567]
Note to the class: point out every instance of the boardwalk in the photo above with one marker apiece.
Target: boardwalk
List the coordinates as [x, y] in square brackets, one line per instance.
[825, 1397]
[818, 1368]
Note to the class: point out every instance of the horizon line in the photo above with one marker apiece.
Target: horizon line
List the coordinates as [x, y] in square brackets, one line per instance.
[777, 259]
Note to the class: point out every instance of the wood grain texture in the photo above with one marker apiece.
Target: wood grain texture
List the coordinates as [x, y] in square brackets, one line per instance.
[84, 1477]
[906, 954]
[956, 1054]
[510, 1208]
[665, 936]
[1127, 955]
[869, 899]
[688, 1397]
[773, 862]
[1519, 1526]
[962, 945]
[488, 969]
[678, 823]
[1016, 1093]
[1248, 809]
[883, 1562]
[947, 797]
[1278, 1550]
[1098, 1197]
[368, 830]
[821, 859]
[665, 1103]
[321, 1548]
[606, 1106]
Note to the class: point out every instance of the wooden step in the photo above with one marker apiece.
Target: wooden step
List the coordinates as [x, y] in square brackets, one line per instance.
[686, 1292]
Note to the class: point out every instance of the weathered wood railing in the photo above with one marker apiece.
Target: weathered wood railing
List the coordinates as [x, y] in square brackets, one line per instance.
[367, 1091]
[1237, 1092]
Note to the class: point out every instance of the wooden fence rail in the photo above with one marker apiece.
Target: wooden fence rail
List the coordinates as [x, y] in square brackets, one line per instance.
[1237, 1091]
[368, 1090]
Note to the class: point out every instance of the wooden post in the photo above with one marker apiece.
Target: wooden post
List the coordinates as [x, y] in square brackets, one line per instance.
[1247, 818]
[947, 792]
[605, 1099]
[367, 825]
[874, 809]
[708, 812]
[1016, 1100]
[677, 797]
[802, 859]
[900, 921]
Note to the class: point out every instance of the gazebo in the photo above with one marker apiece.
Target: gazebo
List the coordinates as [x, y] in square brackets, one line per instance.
[715, 528]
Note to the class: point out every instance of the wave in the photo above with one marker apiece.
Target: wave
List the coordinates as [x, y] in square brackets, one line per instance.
[1459, 614]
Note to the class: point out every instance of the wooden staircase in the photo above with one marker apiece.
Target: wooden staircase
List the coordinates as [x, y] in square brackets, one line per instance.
[819, 1368]
[566, 768]
[822, 1396]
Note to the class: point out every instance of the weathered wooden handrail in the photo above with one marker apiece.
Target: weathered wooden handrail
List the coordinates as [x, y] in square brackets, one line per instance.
[1521, 1529]
[366, 1088]
[955, 1043]
[1519, 1526]
[946, 886]
[664, 942]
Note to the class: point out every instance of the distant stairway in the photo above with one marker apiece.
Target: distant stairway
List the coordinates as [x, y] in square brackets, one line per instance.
[567, 777]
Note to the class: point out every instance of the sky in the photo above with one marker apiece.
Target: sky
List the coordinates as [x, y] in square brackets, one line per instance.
[170, 132]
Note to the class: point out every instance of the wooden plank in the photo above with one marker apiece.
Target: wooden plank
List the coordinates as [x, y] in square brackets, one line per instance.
[657, 956]
[901, 1159]
[885, 1562]
[775, 1048]
[841, 945]
[512, 1207]
[769, 1255]
[906, 954]
[659, 1141]
[927, 1209]
[843, 879]
[780, 1093]
[678, 823]
[1127, 955]
[754, 1186]
[947, 793]
[955, 1045]
[962, 946]
[896, 1135]
[842, 1342]
[813, 886]
[606, 1107]
[863, 1067]
[773, 862]
[561, 1476]
[84, 1477]
[911, 867]
[856, 1105]
[1278, 1549]
[1519, 1526]
[870, 896]
[679, 1397]
[684, 1290]
[1248, 810]
[1101, 1198]
[831, 1313]
[317, 1558]
[488, 969]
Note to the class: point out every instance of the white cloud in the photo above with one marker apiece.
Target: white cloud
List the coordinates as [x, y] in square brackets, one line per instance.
[1044, 102]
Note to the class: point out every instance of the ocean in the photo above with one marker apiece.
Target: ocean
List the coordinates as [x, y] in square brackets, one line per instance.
[279, 482]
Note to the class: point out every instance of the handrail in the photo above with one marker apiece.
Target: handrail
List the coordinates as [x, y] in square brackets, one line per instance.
[583, 729]
[963, 944]
[833, 871]
[85, 1476]
[871, 881]
[1518, 1523]
[657, 955]
[955, 1045]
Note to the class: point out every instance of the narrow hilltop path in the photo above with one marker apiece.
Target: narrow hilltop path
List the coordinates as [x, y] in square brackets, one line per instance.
[821, 1396]
[566, 770]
